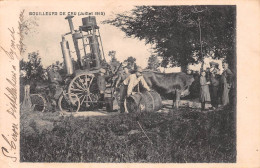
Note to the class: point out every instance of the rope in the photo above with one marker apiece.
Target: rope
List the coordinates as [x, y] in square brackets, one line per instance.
[144, 132]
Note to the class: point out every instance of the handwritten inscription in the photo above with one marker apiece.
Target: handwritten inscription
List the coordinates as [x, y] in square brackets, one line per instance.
[9, 148]
[12, 94]
[12, 143]
[11, 53]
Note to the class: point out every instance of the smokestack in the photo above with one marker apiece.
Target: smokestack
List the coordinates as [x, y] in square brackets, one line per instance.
[69, 18]
[66, 56]
[75, 40]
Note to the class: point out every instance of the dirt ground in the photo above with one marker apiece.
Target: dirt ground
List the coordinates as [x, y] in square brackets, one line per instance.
[167, 106]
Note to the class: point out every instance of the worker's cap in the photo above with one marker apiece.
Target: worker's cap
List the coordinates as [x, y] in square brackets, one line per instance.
[213, 63]
[139, 69]
[102, 70]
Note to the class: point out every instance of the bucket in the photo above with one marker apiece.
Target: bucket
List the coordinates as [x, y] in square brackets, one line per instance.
[144, 102]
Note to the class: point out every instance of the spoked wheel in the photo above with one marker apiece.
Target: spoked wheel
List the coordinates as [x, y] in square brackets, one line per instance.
[69, 105]
[85, 87]
[38, 102]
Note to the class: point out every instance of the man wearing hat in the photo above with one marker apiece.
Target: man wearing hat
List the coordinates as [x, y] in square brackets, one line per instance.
[130, 83]
[122, 76]
[214, 84]
[226, 84]
[101, 82]
[55, 89]
[214, 89]
[122, 88]
[213, 67]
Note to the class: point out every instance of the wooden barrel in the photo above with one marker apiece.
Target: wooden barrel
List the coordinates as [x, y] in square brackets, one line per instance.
[144, 102]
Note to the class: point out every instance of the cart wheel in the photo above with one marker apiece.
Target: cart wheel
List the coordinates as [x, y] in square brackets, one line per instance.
[85, 87]
[38, 102]
[109, 104]
[69, 105]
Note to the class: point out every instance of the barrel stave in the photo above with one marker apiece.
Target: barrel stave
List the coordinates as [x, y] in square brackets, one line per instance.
[144, 102]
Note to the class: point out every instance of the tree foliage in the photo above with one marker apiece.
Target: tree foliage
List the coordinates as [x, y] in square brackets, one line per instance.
[113, 63]
[153, 63]
[180, 33]
[130, 63]
[32, 68]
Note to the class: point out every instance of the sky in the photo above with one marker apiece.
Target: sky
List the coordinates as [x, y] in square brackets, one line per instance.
[48, 37]
[48, 34]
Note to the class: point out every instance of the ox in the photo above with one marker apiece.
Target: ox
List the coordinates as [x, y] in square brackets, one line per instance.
[169, 85]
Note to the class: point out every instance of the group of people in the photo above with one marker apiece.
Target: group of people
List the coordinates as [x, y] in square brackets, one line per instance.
[127, 83]
[215, 87]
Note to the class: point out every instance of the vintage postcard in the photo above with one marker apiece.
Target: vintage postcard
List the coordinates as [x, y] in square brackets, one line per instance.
[130, 83]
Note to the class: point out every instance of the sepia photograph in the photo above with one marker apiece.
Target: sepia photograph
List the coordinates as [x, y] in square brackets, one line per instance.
[128, 83]
[171, 98]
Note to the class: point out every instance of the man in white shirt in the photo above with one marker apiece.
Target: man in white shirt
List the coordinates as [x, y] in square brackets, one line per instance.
[130, 82]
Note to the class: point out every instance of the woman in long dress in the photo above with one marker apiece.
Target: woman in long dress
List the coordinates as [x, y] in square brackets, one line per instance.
[204, 90]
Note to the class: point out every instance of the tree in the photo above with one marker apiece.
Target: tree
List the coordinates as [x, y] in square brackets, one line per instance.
[153, 63]
[114, 63]
[33, 68]
[182, 34]
[32, 72]
[130, 63]
[112, 54]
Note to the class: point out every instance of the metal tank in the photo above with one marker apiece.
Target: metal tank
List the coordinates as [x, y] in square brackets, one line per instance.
[67, 56]
[87, 44]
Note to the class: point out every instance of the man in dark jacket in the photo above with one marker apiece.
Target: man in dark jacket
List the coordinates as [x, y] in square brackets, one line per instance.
[214, 84]
[214, 88]
[101, 82]
[119, 83]
[226, 84]
[55, 88]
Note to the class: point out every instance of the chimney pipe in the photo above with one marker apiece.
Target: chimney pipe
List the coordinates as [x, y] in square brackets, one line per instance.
[69, 18]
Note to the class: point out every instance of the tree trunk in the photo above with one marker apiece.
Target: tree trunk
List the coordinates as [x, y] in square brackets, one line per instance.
[184, 68]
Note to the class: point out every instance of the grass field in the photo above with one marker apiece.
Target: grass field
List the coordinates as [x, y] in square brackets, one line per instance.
[184, 135]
